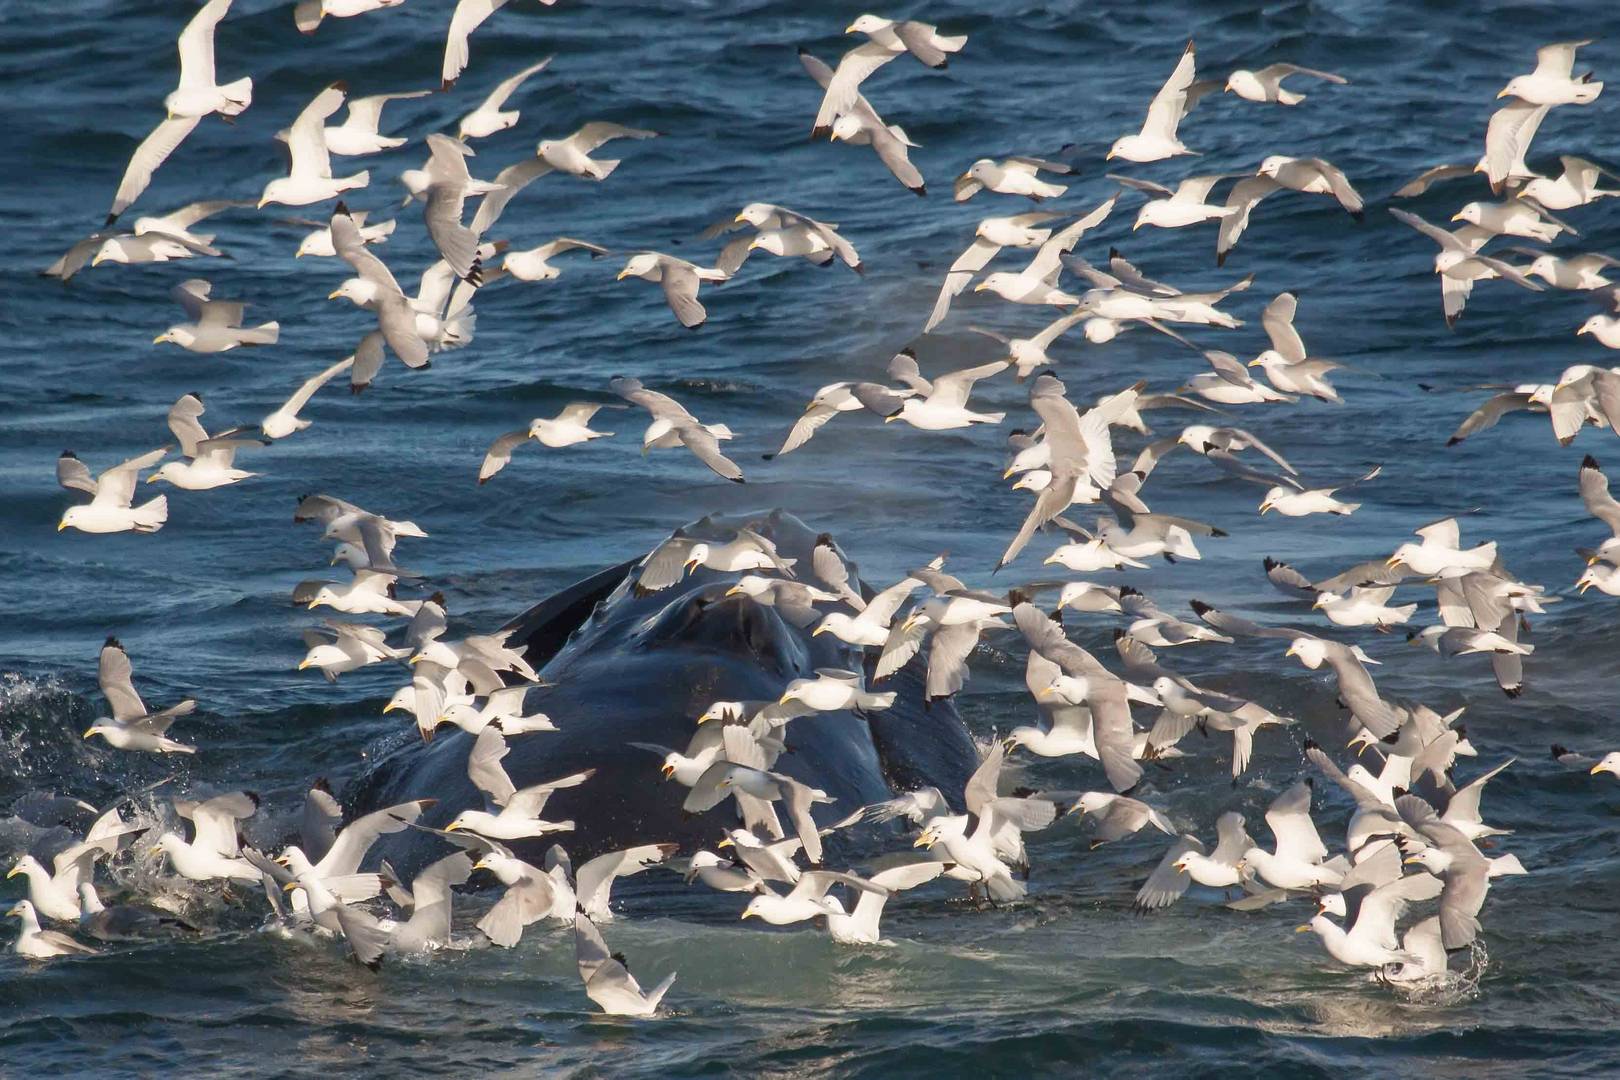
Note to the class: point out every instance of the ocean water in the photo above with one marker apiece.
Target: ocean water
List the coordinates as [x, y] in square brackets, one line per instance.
[1071, 982]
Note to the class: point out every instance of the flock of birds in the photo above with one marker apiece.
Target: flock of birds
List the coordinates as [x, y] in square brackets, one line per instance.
[1415, 835]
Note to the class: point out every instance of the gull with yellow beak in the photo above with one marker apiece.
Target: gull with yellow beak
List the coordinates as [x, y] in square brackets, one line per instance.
[1553, 82]
[132, 725]
[888, 39]
[216, 325]
[860, 125]
[1610, 764]
[110, 509]
[309, 178]
[1157, 139]
[34, 943]
[516, 811]
[1264, 85]
[680, 281]
[781, 231]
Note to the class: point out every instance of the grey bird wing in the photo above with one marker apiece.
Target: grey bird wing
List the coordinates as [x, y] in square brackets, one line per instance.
[115, 675]
[702, 442]
[1167, 884]
[484, 766]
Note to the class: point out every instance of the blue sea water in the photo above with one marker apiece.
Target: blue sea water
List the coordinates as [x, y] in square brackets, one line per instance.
[1069, 983]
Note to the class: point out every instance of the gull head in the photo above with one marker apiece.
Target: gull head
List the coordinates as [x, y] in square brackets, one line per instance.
[1513, 89]
[357, 291]
[1034, 480]
[668, 767]
[1272, 496]
[1402, 555]
[1309, 650]
[95, 729]
[868, 24]
[1609, 764]
[110, 251]
[167, 335]
[461, 822]
[755, 214]
[1470, 213]
[313, 245]
[1243, 83]
[277, 191]
[1273, 165]
[1542, 265]
[27, 865]
[172, 471]
[1363, 776]
[1362, 740]
[1592, 325]
[1323, 599]
[696, 556]
[1091, 802]
[72, 518]
[754, 908]
[928, 838]
[832, 623]
[324, 595]
[1432, 859]
[640, 265]
[1267, 358]
[22, 909]
[1331, 904]
[846, 127]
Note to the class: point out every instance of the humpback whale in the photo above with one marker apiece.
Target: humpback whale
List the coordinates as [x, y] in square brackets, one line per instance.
[636, 666]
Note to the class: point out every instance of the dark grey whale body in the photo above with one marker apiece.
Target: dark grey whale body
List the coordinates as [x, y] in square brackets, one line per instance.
[641, 668]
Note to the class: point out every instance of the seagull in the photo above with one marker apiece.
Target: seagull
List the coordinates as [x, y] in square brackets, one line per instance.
[396, 318]
[1187, 861]
[34, 943]
[176, 224]
[490, 117]
[860, 125]
[567, 428]
[568, 155]
[808, 898]
[887, 39]
[535, 265]
[1371, 913]
[1186, 204]
[285, 420]
[1439, 551]
[942, 406]
[1313, 176]
[1297, 859]
[1576, 186]
[1553, 81]
[427, 929]
[1037, 283]
[307, 14]
[1287, 365]
[607, 980]
[1356, 688]
[210, 459]
[319, 242]
[360, 133]
[1010, 176]
[216, 325]
[195, 97]
[1507, 141]
[468, 16]
[517, 813]
[1295, 503]
[1158, 139]
[673, 426]
[309, 179]
[679, 280]
[448, 185]
[989, 237]
[111, 508]
[1460, 263]
[55, 892]
[132, 725]
[1519, 216]
[1115, 817]
[346, 647]
[1265, 85]
[1582, 272]
[214, 851]
[785, 232]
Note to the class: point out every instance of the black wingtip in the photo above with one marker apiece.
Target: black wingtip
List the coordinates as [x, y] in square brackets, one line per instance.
[1453, 441]
[112, 643]
[1199, 607]
[110, 219]
[921, 191]
[1589, 462]
[1219, 533]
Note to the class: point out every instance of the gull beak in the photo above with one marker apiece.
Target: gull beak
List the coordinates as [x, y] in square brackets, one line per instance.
[891, 419]
[1290, 651]
[159, 339]
[818, 631]
[415, 658]
[739, 219]
[734, 590]
[1593, 561]
[1500, 94]
[850, 29]
[783, 700]
[1457, 216]
[451, 827]
[980, 287]
[1393, 561]
[724, 843]
[290, 886]
[1136, 225]
[1180, 869]
[1302, 929]
[152, 479]
[261, 204]
[1584, 585]
[1410, 860]
[298, 254]
[1595, 770]
[1265, 506]
[1316, 603]
[923, 842]
[622, 275]
[13, 872]
[313, 604]
[480, 865]
[746, 913]
[1108, 156]
[158, 850]
[832, 136]
[89, 732]
[1047, 691]
[1008, 474]
[667, 770]
[334, 294]
[60, 525]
